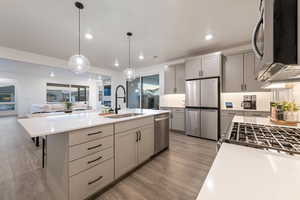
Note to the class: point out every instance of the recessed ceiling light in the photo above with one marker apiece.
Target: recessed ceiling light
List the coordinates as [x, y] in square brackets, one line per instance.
[89, 36]
[117, 63]
[209, 37]
[141, 56]
[52, 74]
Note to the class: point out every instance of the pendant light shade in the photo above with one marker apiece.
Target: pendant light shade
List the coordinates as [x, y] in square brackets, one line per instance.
[79, 63]
[129, 72]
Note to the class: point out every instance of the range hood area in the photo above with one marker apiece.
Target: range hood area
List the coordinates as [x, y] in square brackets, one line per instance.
[278, 72]
[275, 41]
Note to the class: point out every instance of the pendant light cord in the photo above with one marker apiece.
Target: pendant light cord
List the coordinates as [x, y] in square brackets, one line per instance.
[79, 32]
[129, 57]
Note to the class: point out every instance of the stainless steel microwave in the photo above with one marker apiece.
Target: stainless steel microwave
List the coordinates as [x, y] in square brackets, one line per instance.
[275, 39]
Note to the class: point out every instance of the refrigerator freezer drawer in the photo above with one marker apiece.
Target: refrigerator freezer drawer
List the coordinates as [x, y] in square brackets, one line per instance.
[209, 124]
[193, 93]
[192, 122]
[209, 93]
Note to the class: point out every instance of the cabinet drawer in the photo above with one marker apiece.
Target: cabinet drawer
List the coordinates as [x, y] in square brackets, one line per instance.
[85, 135]
[84, 163]
[89, 148]
[94, 179]
[128, 125]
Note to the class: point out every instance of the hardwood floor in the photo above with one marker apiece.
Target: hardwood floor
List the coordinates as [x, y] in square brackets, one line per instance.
[175, 174]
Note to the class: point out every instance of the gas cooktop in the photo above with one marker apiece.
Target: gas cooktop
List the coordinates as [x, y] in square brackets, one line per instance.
[282, 139]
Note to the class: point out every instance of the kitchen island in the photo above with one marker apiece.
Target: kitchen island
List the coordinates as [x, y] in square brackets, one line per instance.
[87, 152]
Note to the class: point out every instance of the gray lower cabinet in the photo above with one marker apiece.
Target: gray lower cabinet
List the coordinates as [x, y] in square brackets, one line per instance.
[239, 73]
[226, 120]
[134, 144]
[81, 162]
[175, 79]
[177, 118]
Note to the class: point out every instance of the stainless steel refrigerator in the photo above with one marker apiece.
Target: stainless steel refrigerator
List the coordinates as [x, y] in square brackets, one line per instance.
[203, 108]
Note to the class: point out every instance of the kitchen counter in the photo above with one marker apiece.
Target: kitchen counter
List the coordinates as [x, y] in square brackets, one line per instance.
[43, 126]
[246, 173]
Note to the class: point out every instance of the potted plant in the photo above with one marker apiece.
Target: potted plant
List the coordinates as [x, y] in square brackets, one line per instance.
[68, 106]
[290, 111]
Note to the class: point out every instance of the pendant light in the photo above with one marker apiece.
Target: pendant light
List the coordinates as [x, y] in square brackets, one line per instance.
[129, 72]
[79, 63]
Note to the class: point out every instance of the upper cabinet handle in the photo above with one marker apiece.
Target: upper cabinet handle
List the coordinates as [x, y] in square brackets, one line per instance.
[94, 147]
[96, 133]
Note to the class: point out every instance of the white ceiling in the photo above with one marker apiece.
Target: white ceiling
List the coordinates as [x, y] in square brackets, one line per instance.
[168, 29]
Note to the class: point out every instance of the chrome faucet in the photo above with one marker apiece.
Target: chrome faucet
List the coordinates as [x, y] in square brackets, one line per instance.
[116, 97]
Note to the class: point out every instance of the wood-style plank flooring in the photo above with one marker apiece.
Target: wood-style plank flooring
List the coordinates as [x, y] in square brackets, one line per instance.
[176, 174]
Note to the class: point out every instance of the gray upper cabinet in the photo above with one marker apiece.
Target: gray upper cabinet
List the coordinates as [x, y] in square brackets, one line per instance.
[193, 68]
[239, 73]
[203, 66]
[211, 65]
[250, 71]
[180, 79]
[233, 73]
[175, 79]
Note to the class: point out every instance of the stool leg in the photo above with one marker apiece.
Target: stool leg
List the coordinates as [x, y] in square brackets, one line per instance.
[43, 150]
[37, 141]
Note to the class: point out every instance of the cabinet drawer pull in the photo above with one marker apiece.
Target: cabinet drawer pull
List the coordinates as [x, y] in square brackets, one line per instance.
[96, 180]
[96, 133]
[94, 147]
[137, 136]
[89, 162]
[140, 135]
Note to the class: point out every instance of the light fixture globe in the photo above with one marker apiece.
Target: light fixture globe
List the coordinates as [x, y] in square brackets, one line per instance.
[79, 64]
[129, 74]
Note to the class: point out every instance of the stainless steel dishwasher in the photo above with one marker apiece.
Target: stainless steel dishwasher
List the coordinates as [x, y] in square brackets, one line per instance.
[161, 136]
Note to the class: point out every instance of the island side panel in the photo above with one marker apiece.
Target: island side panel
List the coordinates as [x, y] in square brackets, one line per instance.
[57, 165]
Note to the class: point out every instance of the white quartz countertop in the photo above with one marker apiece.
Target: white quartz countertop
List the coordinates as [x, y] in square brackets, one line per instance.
[43, 126]
[244, 173]
[257, 120]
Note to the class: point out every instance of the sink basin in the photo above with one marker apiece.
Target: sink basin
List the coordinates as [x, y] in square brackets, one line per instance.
[118, 116]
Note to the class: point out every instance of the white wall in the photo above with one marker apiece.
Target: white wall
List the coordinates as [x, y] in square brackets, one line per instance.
[31, 80]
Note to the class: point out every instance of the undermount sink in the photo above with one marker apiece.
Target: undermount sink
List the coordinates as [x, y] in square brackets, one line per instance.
[118, 116]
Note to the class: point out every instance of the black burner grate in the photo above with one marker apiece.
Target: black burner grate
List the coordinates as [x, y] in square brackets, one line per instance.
[268, 137]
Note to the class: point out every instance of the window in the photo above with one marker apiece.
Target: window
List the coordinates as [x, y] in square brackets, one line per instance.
[7, 98]
[58, 93]
[134, 94]
[79, 93]
[143, 92]
[150, 92]
[107, 90]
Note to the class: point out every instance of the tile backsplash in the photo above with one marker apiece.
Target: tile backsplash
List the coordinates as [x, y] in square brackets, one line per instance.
[262, 100]
[172, 100]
